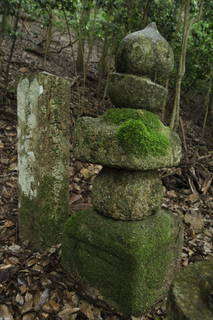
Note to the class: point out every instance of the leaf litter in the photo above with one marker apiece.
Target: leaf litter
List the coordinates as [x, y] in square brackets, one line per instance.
[33, 285]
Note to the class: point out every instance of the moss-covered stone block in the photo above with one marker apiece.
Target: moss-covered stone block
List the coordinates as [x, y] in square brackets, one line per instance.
[127, 195]
[129, 264]
[191, 294]
[43, 157]
[129, 91]
[131, 144]
[145, 53]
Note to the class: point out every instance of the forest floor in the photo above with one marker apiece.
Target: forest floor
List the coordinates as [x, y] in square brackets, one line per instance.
[33, 284]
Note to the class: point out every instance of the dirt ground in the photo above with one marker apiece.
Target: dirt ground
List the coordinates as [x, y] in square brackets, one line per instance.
[32, 284]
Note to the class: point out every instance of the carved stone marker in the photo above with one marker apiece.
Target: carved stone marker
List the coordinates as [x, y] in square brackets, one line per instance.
[43, 157]
[126, 249]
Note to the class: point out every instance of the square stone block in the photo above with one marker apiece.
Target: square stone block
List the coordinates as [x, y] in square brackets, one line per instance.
[130, 264]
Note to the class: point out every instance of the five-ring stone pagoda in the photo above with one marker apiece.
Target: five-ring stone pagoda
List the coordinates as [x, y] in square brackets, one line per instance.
[125, 250]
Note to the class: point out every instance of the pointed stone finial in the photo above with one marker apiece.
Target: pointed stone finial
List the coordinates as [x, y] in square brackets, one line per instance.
[145, 53]
[152, 25]
[151, 31]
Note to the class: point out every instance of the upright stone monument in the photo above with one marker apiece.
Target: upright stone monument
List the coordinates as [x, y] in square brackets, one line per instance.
[43, 157]
[125, 250]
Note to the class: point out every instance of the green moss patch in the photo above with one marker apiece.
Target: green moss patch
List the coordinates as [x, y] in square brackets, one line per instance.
[118, 116]
[137, 138]
[139, 131]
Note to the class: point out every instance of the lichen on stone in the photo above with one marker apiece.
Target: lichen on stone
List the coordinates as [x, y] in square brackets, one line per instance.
[136, 92]
[43, 157]
[127, 194]
[146, 53]
[42, 217]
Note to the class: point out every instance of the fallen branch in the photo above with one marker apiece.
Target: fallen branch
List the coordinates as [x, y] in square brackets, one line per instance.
[67, 46]
[206, 185]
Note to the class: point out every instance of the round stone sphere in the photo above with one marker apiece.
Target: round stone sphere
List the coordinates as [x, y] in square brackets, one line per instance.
[146, 53]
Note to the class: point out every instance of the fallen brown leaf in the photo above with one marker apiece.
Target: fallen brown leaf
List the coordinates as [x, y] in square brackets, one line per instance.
[67, 312]
[5, 313]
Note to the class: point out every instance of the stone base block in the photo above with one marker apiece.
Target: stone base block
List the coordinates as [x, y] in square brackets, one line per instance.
[128, 264]
[190, 297]
[129, 91]
[127, 195]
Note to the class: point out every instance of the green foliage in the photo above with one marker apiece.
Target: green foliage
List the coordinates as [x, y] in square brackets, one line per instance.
[199, 58]
[55, 4]
[9, 6]
[139, 139]
[108, 21]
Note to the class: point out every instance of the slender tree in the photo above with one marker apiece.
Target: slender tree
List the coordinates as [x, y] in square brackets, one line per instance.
[13, 42]
[188, 21]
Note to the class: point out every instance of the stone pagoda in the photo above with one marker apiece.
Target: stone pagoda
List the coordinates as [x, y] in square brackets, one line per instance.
[126, 249]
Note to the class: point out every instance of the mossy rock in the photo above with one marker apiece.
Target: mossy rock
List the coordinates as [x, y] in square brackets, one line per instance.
[127, 195]
[146, 53]
[129, 91]
[129, 264]
[140, 143]
[191, 294]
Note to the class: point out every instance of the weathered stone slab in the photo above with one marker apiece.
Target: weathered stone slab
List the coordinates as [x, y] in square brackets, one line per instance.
[129, 264]
[146, 53]
[43, 157]
[126, 90]
[127, 195]
[191, 294]
[96, 141]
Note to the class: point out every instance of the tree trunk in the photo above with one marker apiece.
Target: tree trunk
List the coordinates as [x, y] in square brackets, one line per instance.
[187, 23]
[145, 13]
[3, 24]
[163, 112]
[182, 62]
[80, 56]
[47, 37]
[13, 43]
[207, 103]
[85, 16]
[102, 65]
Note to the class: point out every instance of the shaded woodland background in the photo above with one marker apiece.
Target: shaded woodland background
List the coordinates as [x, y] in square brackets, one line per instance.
[96, 26]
